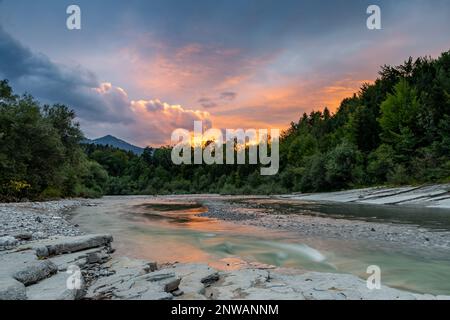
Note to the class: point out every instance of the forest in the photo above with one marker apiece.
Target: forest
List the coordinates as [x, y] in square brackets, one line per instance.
[394, 131]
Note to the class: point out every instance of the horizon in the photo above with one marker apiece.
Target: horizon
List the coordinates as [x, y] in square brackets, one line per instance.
[154, 67]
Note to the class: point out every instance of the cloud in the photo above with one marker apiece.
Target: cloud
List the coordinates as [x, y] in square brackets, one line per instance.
[224, 97]
[152, 127]
[249, 68]
[36, 74]
[228, 95]
[207, 103]
[191, 72]
[155, 121]
[100, 106]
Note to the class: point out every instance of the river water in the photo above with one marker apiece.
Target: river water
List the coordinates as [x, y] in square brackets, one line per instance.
[155, 229]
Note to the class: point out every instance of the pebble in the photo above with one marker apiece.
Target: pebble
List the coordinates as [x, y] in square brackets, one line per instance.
[27, 221]
[262, 214]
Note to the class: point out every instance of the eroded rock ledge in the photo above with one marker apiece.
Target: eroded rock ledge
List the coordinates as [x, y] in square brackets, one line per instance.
[39, 271]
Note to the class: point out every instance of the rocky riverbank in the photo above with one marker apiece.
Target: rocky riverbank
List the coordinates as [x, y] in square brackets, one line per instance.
[432, 196]
[44, 256]
[307, 221]
[22, 222]
[297, 213]
[45, 270]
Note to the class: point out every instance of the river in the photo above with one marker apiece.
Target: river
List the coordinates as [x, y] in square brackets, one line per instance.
[171, 229]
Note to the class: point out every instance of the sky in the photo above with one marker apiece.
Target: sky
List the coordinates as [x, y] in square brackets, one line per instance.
[140, 69]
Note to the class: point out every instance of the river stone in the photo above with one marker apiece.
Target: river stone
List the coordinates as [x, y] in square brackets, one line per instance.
[8, 242]
[151, 266]
[214, 277]
[11, 289]
[72, 244]
[93, 257]
[171, 284]
[36, 271]
[24, 236]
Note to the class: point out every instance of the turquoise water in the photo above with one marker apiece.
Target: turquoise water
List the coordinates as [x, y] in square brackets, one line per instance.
[154, 229]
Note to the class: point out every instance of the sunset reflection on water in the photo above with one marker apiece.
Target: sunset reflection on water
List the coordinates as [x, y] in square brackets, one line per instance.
[171, 229]
[177, 233]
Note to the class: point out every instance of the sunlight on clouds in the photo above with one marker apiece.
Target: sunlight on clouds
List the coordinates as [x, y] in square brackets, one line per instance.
[153, 120]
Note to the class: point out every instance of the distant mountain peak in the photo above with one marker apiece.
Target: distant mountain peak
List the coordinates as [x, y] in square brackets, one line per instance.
[115, 142]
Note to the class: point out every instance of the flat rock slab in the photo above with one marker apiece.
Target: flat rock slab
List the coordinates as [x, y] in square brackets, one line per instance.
[11, 289]
[429, 196]
[13, 261]
[444, 203]
[191, 280]
[24, 274]
[54, 288]
[133, 280]
[78, 259]
[268, 285]
[71, 244]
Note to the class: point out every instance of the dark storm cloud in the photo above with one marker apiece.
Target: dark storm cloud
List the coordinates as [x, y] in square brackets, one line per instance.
[36, 74]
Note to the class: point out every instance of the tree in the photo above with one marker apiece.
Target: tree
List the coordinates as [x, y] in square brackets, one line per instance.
[343, 166]
[398, 119]
[40, 156]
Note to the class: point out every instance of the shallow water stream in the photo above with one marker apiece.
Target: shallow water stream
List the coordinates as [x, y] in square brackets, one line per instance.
[159, 230]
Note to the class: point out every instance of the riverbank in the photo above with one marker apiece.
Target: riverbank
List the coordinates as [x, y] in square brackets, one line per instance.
[431, 196]
[39, 246]
[25, 221]
[303, 214]
[306, 218]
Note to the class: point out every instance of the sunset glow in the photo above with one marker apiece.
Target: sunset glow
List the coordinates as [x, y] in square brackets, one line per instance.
[154, 68]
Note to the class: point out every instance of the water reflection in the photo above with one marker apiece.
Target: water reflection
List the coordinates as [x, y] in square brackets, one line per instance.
[168, 230]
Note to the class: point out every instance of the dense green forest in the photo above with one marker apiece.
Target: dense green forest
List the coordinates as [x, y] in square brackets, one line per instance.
[395, 131]
[40, 152]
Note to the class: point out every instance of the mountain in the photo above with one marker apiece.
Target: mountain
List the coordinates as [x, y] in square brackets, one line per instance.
[115, 142]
